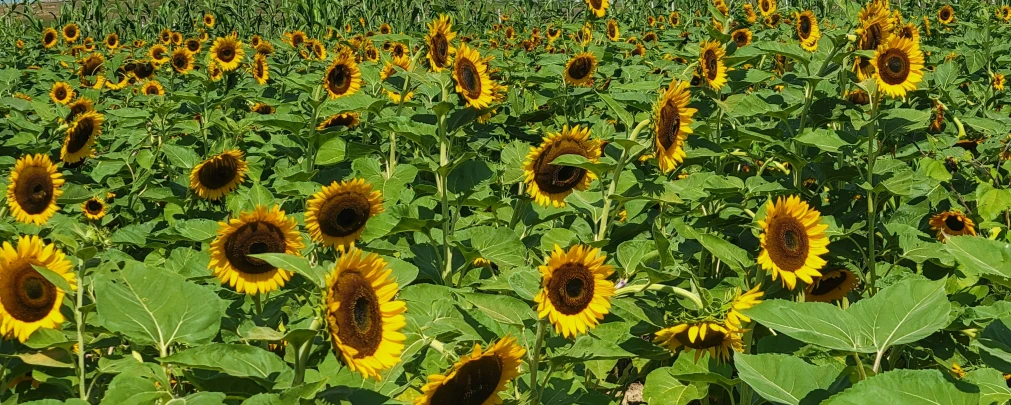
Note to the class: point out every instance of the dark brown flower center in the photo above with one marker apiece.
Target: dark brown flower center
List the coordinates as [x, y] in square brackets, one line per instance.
[711, 63]
[254, 238]
[440, 50]
[180, 61]
[25, 294]
[669, 125]
[787, 242]
[49, 38]
[829, 282]
[151, 90]
[358, 320]
[571, 288]
[945, 14]
[473, 384]
[344, 214]
[219, 172]
[339, 79]
[93, 206]
[893, 66]
[954, 223]
[192, 45]
[580, 67]
[34, 190]
[61, 93]
[81, 134]
[740, 38]
[226, 53]
[713, 338]
[469, 77]
[805, 27]
[556, 179]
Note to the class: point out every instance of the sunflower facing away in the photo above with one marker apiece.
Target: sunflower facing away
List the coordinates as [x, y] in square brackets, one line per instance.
[741, 37]
[182, 61]
[81, 136]
[337, 215]
[94, 209]
[946, 15]
[807, 31]
[476, 379]
[701, 337]
[579, 70]
[152, 88]
[831, 286]
[71, 32]
[227, 52]
[347, 120]
[471, 75]
[261, 71]
[599, 7]
[28, 301]
[364, 319]
[33, 189]
[672, 123]
[793, 240]
[742, 301]
[714, 70]
[899, 65]
[213, 178]
[440, 48]
[767, 7]
[262, 230]
[342, 78]
[49, 38]
[575, 293]
[948, 223]
[549, 184]
[61, 93]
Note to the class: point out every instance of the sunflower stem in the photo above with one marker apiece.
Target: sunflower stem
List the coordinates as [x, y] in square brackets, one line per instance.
[602, 230]
[444, 191]
[303, 354]
[872, 132]
[79, 319]
[860, 366]
[535, 359]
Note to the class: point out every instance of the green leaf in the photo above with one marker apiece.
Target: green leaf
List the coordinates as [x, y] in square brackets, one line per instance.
[619, 111]
[632, 252]
[236, 360]
[812, 322]
[784, 378]
[981, 256]
[129, 389]
[821, 138]
[995, 344]
[468, 176]
[991, 202]
[54, 278]
[502, 308]
[154, 307]
[903, 313]
[906, 387]
[581, 162]
[296, 264]
[499, 245]
[180, 156]
[200, 398]
[588, 347]
[663, 387]
[993, 388]
[332, 152]
[731, 254]
[945, 75]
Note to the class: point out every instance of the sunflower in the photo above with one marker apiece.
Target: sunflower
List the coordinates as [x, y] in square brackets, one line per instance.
[741, 37]
[123, 76]
[81, 137]
[674, 18]
[318, 49]
[227, 52]
[476, 379]
[49, 38]
[471, 75]
[370, 53]
[672, 123]
[651, 21]
[364, 319]
[575, 293]
[714, 71]
[340, 120]
[832, 285]
[255, 41]
[261, 71]
[948, 223]
[899, 63]
[139, 43]
[793, 240]
[510, 33]
[182, 61]
[94, 209]
[177, 38]
[772, 21]
[946, 15]
[209, 20]
[554, 33]
[742, 301]
[71, 32]
[192, 45]
[549, 184]
[749, 13]
[158, 54]
[398, 50]
[214, 71]
[262, 108]
[385, 28]
[33, 189]
[440, 48]
[91, 66]
[342, 78]
[998, 81]
[262, 230]
[807, 31]
[767, 7]
[143, 70]
[29, 301]
[909, 31]
[165, 36]
[213, 178]
[112, 41]
[152, 88]
[79, 106]
[61, 93]
[875, 24]
[338, 214]
[204, 36]
[598, 7]
[1005, 13]
[612, 30]
[701, 337]
[579, 71]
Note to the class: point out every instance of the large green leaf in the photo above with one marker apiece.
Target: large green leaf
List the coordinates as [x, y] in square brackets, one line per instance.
[663, 387]
[813, 322]
[502, 308]
[903, 313]
[905, 387]
[499, 245]
[236, 360]
[981, 256]
[785, 379]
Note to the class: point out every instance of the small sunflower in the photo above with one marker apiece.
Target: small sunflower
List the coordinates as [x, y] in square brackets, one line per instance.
[342, 77]
[262, 108]
[948, 223]
[579, 70]
[674, 18]
[297, 38]
[807, 31]
[337, 215]
[213, 178]
[209, 20]
[182, 61]
[998, 81]
[364, 319]
[672, 123]
[61, 93]
[81, 136]
[714, 70]
[554, 33]
[471, 75]
[214, 71]
[613, 32]
[549, 184]
[262, 230]
[831, 286]
[347, 120]
[385, 28]
[767, 7]
[33, 189]
[80, 106]
[165, 36]
[261, 71]
[152, 88]
[192, 45]
[575, 293]
[94, 209]
[946, 15]
[598, 7]
[476, 379]
[112, 41]
[398, 50]
[749, 13]
[793, 240]
[899, 65]
[743, 300]
[144, 70]
[29, 301]
[874, 25]
[741, 37]
[720, 341]
[158, 54]
[909, 31]
[177, 38]
[71, 32]
[439, 40]
[49, 38]
[91, 67]
[227, 52]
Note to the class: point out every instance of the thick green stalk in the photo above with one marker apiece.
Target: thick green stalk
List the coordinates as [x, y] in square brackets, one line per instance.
[872, 132]
[79, 319]
[602, 230]
[535, 359]
[681, 292]
[443, 177]
[302, 357]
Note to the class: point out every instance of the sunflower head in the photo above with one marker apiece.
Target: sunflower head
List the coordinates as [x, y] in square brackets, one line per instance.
[946, 15]
[177, 38]
[439, 40]
[741, 37]
[580, 69]
[165, 36]
[33, 189]
[192, 45]
[209, 20]
[612, 30]
[475, 379]
[767, 7]
[342, 77]
[549, 183]
[598, 7]
[112, 41]
[80, 106]
[899, 65]
[262, 109]
[214, 71]
[81, 136]
[152, 88]
[348, 120]
[720, 341]
[227, 52]
[575, 293]
[182, 60]
[93, 208]
[259, 231]
[385, 28]
[71, 32]
[807, 31]
[831, 286]
[29, 301]
[672, 123]
[261, 71]
[471, 75]
[742, 300]
[793, 240]
[214, 178]
[49, 38]
[337, 215]
[998, 81]
[158, 53]
[952, 223]
[61, 93]
[714, 70]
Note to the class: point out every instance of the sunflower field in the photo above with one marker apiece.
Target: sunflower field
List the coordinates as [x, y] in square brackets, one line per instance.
[713, 202]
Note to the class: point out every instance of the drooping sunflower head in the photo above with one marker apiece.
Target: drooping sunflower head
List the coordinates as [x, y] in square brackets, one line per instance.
[193, 45]
[93, 208]
[701, 337]
[612, 30]
[767, 7]
[158, 53]
[80, 106]
[227, 52]
[831, 286]
[262, 108]
[548, 183]
[81, 136]
[61, 93]
[476, 379]
[219, 175]
[575, 293]
[439, 40]
[471, 75]
[579, 70]
[598, 7]
[946, 15]
[672, 121]
[152, 88]
[342, 78]
[808, 31]
[33, 189]
[742, 37]
[793, 240]
[71, 32]
[259, 231]
[112, 41]
[337, 215]
[952, 223]
[742, 300]
[49, 37]
[261, 71]
[363, 318]
[714, 70]
[182, 61]
[29, 301]
[899, 65]
[209, 20]
[347, 120]
[165, 36]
